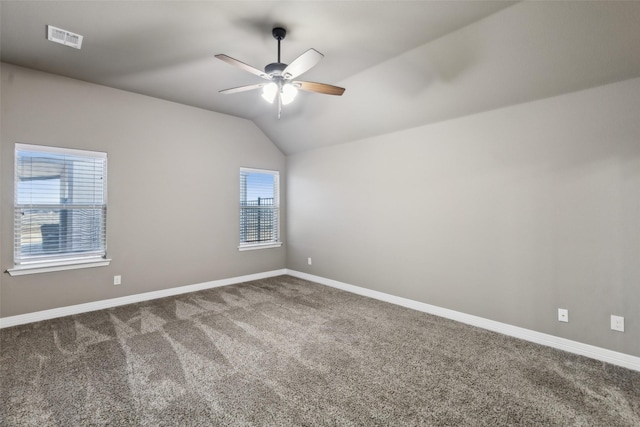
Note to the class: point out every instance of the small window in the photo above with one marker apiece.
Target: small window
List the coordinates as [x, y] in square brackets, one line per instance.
[60, 209]
[259, 209]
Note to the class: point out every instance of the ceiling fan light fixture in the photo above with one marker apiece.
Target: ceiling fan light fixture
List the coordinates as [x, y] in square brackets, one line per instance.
[280, 76]
[289, 93]
[269, 92]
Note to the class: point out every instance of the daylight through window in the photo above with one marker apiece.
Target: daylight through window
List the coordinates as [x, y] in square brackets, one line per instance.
[60, 205]
[259, 208]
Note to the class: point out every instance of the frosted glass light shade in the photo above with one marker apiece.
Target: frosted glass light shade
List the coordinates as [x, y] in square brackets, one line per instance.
[269, 92]
[289, 93]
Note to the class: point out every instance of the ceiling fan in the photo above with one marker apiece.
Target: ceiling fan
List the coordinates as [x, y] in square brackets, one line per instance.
[279, 76]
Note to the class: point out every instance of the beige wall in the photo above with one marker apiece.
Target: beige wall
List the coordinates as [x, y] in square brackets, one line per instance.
[172, 188]
[508, 214]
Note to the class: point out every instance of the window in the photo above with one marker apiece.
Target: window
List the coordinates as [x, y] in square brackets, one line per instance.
[60, 209]
[259, 209]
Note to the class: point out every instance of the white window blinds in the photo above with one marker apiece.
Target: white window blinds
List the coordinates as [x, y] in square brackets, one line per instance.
[259, 207]
[60, 204]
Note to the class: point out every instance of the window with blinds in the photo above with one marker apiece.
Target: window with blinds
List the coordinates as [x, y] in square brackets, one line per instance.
[259, 208]
[60, 205]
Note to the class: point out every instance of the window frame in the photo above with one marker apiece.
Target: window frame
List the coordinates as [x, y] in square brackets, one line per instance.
[275, 243]
[60, 261]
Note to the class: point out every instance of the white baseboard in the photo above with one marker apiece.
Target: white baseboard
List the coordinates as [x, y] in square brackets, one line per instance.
[37, 316]
[598, 353]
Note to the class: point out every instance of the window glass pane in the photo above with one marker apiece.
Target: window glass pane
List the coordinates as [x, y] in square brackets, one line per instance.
[259, 206]
[60, 204]
[259, 187]
[39, 191]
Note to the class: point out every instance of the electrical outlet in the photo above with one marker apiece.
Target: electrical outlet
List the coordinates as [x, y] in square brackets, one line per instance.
[617, 323]
[563, 315]
[117, 280]
[309, 261]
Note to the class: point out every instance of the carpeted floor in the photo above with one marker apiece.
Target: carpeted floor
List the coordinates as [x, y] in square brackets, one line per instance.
[284, 351]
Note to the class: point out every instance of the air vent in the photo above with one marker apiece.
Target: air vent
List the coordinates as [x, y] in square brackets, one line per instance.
[67, 38]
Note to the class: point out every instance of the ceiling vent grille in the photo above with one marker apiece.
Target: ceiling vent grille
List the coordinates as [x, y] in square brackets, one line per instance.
[64, 37]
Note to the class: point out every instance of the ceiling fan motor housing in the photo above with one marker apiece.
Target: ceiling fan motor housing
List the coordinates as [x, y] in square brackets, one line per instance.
[275, 68]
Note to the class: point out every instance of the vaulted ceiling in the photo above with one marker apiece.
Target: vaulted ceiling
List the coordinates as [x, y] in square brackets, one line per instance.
[403, 63]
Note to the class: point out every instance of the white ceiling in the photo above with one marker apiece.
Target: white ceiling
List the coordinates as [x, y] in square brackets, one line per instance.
[403, 63]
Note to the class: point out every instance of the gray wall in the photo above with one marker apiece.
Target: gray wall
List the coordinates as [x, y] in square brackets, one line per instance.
[172, 188]
[508, 214]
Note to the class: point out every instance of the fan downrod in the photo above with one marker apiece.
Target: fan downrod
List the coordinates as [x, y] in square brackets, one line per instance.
[276, 68]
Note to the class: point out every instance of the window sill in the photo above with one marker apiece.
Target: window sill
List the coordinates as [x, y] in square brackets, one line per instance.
[259, 246]
[48, 267]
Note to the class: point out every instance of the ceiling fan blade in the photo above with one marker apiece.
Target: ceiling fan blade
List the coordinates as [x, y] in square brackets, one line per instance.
[319, 88]
[239, 64]
[242, 88]
[302, 64]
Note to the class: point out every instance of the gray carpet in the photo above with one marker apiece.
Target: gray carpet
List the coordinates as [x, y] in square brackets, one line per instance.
[284, 351]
